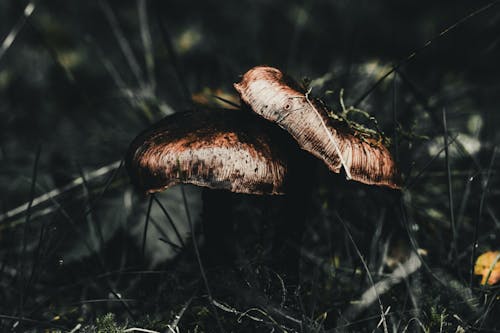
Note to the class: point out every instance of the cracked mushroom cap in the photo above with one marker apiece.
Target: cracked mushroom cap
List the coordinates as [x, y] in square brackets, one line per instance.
[219, 149]
[279, 99]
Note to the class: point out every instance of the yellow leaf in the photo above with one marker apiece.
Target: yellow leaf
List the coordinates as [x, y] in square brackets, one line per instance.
[488, 266]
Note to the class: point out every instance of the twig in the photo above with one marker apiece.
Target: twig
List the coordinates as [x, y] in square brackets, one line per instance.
[173, 327]
[246, 314]
[368, 297]
[76, 328]
[137, 329]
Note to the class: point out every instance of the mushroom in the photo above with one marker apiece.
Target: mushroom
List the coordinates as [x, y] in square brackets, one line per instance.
[237, 151]
[279, 99]
[224, 149]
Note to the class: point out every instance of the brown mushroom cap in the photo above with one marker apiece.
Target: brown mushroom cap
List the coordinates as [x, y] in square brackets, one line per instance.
[279, 99]
[219, 149]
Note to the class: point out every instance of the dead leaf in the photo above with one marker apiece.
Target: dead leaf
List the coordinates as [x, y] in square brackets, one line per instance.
[488, 266]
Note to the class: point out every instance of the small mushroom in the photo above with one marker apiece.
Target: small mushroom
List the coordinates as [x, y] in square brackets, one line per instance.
[222, 149]
[280, 99]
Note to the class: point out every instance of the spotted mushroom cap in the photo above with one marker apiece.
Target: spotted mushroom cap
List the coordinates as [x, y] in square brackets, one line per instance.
[219, 149]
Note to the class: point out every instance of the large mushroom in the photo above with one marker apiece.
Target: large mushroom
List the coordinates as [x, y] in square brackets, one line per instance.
[237, 151]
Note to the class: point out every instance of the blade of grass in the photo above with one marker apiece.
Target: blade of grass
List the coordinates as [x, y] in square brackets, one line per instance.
[146, 42]
[475, 239]
[21, 270]
[174, 59]
[48, 196]
[146, 224]
[115, 75]
[395, 138]
[172, 244]
[100, 260]
[406, 223]
[170, 220]
[93, 221]
[122, 42]
[237, 106]
[412, 181]
[422, 99]
[39, 323]
[370, 278]
[198, 258]
[453, 251]
[36, 258]
[11, 36]
[418, 50]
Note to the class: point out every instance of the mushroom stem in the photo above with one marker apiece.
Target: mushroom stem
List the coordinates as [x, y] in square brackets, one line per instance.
[297, 210]
[218, 228]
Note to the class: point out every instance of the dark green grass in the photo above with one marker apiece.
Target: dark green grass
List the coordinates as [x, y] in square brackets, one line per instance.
[80, 80]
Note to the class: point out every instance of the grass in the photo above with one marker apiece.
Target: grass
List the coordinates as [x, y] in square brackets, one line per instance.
[84, 252]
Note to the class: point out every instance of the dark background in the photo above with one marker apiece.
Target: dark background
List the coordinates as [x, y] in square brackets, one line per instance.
[82, 79]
